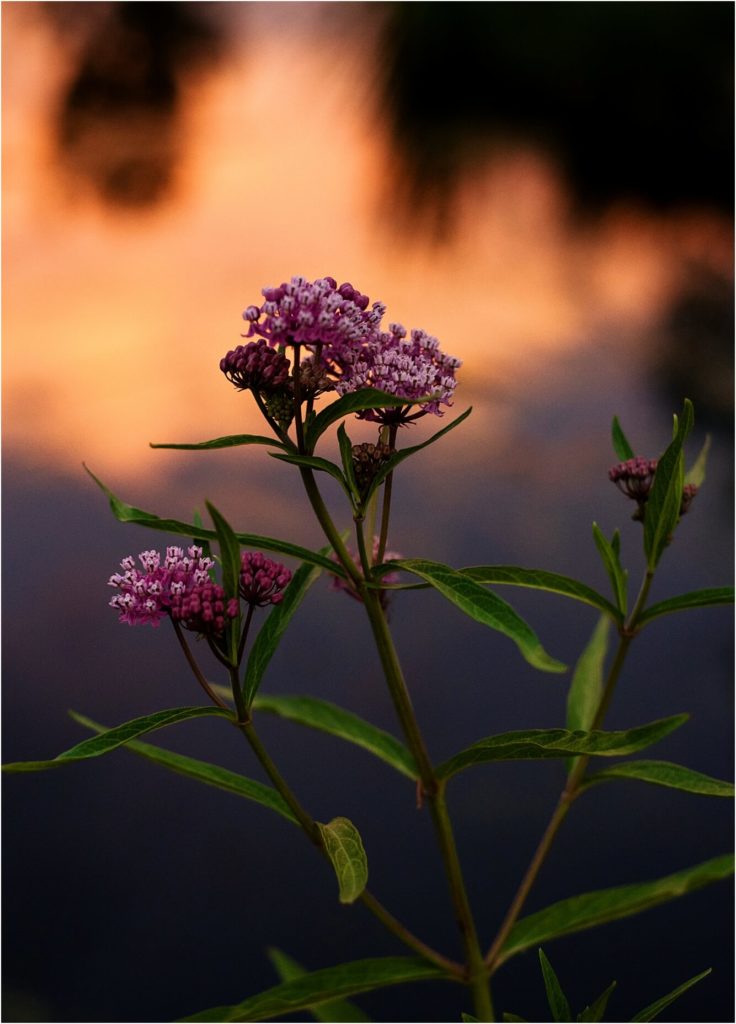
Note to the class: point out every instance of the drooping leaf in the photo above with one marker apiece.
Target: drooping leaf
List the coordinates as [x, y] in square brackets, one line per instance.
[231, 441]
[665, 497]
[540, 579]
[114, 738]
[594, 1013]
[663, 773]
[202, 771]
[612, 562]
[694, 599]
[339, 1011]
[356, 401]
[654, 1009]
[556, 998]
[398, 457]
[594, 908]
[696, 474]
[621, 445]
[329, 718]
[323, 986]
[314, 462]
[129, 514]
[345, 849]
[483, 606]
[586, 688]
[530, 744]
[274, 627]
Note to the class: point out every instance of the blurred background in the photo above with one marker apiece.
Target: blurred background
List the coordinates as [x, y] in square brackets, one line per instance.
[545, 187]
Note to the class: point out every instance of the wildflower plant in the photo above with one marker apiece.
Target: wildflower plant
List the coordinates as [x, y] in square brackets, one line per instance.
[315, 354]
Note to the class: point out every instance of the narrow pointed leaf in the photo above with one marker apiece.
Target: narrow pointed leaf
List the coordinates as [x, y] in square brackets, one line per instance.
[129, 514]
[346, 454]
[114, 738]
[231, 441]
[621, 445]
[356, 401]
[323, 986]
[665, 497]
[654, 1009]
[230, 562]
[532, 744]
[329, 718]
[202, 771]
[612, 563]
[663, 773]
[467, 1018]
[314, 462]
[339, 1011]
[540, 579]
[345, 849]
[556, 999]
[510, 1017]
[696, 473]
[594, 908]
[484, 606]
[275, 626]
[595, 1012]
[398, 457]
[586, 688]
[694, 599]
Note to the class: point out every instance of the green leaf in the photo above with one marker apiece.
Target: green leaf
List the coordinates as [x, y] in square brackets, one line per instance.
[339, 1011]
[344, 847]
[323, 986]
[586, 688]
[467, 1017]
[531, 744]
[202, 771]
[594, 908]
[540, 579]
[230, 562]
[594, 1013]
[694, 599]
[346, 454]
[696, 473]
[511, 1017]
[129, 514]
[204, 544]
[612, 562]
[232, 441]
[391, 463]
[665, 497]
[621, 445]
[329, 718]
[653, 1010]
[558, 1004]
[485, 607]
[356, 401]
[663, 773]
[114, 738]
[314, 462]
[274, 627]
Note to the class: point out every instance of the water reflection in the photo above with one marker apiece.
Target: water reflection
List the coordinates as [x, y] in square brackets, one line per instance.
[114, 326]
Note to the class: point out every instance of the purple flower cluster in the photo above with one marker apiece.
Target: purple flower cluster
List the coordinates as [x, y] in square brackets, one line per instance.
[178, 585]
[410, 367]
[256, 366]
[635, 477]
[349, 351]
[262, 581]
[318, 314]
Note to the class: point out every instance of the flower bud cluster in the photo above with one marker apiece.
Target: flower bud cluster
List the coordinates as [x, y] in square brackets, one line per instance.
[635, 477]
[262, 581]
[367, 460]
[256, 367]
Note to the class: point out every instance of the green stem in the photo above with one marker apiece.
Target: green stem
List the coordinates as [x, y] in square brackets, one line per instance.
[325, 521]
[386, 509]
[574, 781]
[278, 430]
[198, 675]
[244, 634]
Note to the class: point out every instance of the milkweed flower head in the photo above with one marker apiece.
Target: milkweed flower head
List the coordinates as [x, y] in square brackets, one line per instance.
[177, 584]
[262, 581]
[256, 367]
[410, 367]
[330, 320]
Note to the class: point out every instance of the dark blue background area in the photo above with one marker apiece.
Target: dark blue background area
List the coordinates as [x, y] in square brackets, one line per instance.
[134, 894]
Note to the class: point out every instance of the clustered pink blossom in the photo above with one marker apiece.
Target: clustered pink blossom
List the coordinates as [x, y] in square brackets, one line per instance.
[262, 581]
[409, 367]
[343, 331]
[318, 314]
[178, 585]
